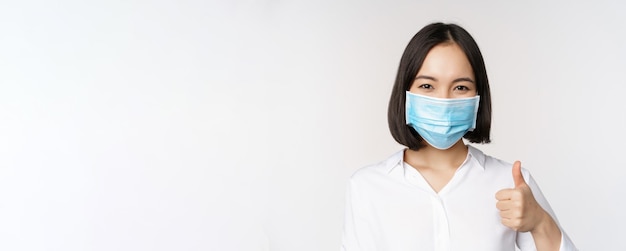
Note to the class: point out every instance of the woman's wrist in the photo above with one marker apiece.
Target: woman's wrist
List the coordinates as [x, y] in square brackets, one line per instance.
[546, 233]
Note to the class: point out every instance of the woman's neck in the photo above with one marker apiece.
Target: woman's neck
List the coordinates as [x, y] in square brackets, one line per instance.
[433, 158]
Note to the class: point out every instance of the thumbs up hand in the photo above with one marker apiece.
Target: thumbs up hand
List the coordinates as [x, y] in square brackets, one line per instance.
[518, 208]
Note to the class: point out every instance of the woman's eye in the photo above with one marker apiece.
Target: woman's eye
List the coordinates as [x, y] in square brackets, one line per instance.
[461, 88]
[426, 86]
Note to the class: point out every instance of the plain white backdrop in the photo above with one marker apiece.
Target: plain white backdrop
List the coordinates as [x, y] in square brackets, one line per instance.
[235, 125]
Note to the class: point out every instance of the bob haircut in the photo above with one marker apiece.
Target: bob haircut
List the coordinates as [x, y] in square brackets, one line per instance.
[411, 62]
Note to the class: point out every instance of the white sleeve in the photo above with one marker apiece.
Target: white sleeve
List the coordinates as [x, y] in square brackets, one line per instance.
[525, 240]
[357, 234]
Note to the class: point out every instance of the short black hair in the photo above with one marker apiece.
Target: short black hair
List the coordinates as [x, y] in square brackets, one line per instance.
[411, 62]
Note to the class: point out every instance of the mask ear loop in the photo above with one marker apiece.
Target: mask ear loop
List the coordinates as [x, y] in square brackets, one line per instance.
[476, 105]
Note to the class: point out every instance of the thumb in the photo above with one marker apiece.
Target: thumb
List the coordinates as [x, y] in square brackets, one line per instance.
[517, 174]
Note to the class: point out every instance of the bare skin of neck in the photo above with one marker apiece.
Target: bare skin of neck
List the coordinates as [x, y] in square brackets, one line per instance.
[437, 166]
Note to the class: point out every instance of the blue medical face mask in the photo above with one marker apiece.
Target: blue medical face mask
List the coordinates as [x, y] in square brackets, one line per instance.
[441, 122]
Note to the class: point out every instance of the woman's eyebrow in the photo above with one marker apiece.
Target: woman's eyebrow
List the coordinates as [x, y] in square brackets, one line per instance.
[463, 79]
[425, 77]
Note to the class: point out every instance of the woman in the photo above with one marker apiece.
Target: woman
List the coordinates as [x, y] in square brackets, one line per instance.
[440, 194]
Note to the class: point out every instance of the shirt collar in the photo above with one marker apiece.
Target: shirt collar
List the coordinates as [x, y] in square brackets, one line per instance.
[397, 158]
[477, 154]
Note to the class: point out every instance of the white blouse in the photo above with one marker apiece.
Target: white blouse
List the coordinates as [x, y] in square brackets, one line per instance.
[391, 207]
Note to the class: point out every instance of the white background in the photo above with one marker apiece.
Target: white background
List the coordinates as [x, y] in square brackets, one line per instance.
[234, 125]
